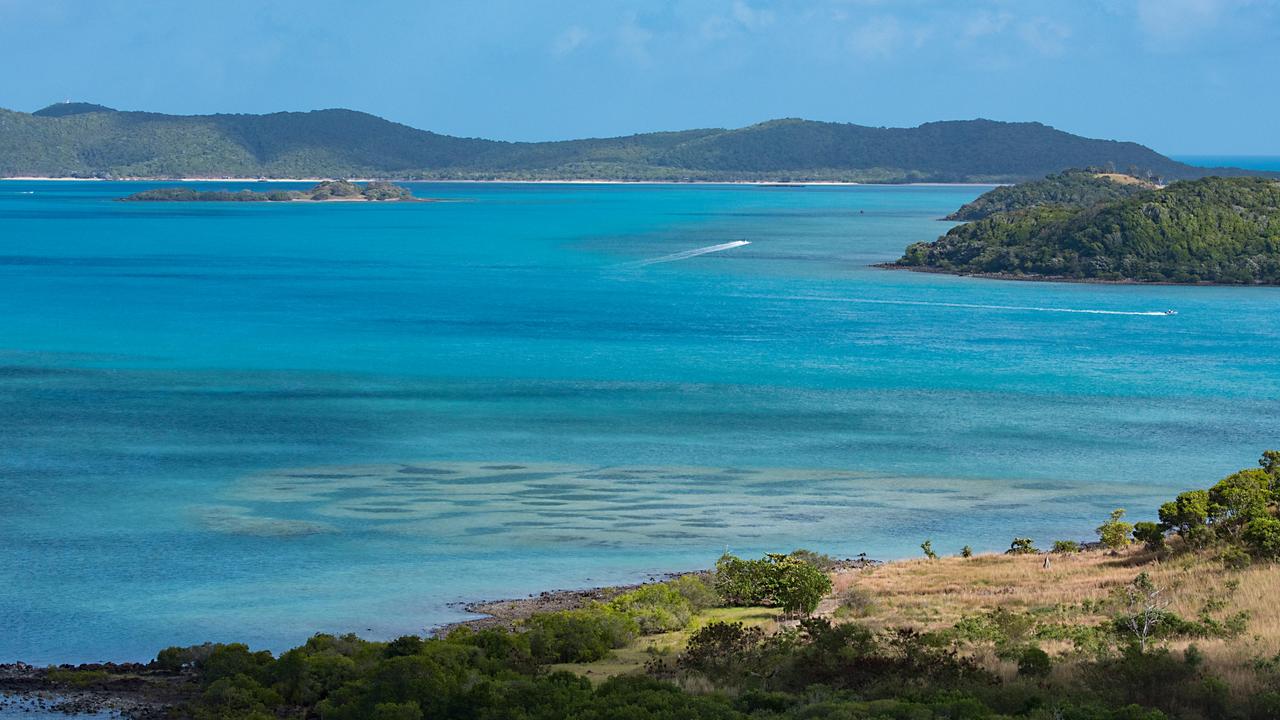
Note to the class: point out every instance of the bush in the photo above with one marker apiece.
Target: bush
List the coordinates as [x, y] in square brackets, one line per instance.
[697, 591]
[1114, 533]
[1149, 534]
[1262, 537]
[927, 548]
[1065, 547]
[775, 580]
[655, 608]
[966, 552]
[584, 635]
[1034, 662]
[1021, 546]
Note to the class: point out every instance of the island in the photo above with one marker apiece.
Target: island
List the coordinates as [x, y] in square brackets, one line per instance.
[1168, 617]
[1214, 230]
[85, 140]
[327, 191]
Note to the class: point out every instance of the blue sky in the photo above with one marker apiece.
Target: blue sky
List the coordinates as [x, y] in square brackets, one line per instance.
[1183, 76]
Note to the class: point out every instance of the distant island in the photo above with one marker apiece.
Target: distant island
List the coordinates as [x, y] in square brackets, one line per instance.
[1213, 230]
[84, 140]
[328, 191]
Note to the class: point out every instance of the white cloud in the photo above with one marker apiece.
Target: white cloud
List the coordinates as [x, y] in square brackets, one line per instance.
[633, 42]
[571, 39]
[1172, 21]
[751, 18]
[1048, 37]
[984, 24]
[878, 38]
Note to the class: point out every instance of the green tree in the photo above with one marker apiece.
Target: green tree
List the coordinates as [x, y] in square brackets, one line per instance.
[1149, 534]
[1188, 511]
[1021, 546]
[1262, 536]
[1114, 533]
[1239, 498]
[927, 548]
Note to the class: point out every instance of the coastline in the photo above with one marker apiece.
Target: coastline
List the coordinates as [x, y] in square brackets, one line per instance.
[1059, 278]
[570, 181]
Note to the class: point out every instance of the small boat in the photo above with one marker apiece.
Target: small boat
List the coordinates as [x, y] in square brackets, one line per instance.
[1170, 312]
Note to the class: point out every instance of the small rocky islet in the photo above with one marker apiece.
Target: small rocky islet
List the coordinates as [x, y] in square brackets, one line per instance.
[327, 191]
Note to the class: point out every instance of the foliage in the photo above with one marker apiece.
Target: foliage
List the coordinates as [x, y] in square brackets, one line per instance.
[1149, 534]
[927, 548]
[1034, 662]
[1189, 510]
[1073, 188]
[774, 580]
[966, 552]
[655, 608]
[1221, 230]
[581, 635]
[1021, 546]
[1262, 537]
[1064, 547]
[1114, 533]
[99, 142]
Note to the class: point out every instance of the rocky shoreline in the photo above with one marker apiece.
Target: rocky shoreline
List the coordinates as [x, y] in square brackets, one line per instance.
[143, 691]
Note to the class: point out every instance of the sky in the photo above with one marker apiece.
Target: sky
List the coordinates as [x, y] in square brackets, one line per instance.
[1181, 76]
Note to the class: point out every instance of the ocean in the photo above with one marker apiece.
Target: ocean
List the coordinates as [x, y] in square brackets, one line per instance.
[253, 422]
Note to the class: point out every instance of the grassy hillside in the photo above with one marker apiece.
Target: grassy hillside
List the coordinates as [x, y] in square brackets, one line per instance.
[1221, 230]
[86, 140]
[1076, 188]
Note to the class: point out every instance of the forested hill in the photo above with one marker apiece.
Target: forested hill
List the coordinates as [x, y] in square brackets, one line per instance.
[1079, 188]
[1217, 230]
[86, 140]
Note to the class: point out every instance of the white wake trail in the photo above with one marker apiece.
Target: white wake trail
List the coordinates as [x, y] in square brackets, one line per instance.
[974, 306]
[686, 254]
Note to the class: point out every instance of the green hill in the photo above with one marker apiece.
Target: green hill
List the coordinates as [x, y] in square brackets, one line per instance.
[1078, 188]
[1219, 230]
[86, 140]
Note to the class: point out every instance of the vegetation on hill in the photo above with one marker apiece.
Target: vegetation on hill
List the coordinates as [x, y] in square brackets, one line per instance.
[1218, 230]
[1073, 188]
[84, 140]
[327, 190]
[1168, 619]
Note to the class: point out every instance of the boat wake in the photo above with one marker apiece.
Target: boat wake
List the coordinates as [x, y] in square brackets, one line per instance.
[686, 254]
[976, 306]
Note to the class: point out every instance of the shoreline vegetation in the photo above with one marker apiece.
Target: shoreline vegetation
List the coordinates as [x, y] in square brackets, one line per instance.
[1099, 227]
[1171, 617]
[326, 191]
[507, 181]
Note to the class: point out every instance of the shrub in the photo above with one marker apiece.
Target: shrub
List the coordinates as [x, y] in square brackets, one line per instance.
[1239, 498]
[927, 548]
[1064, 547]
[584, 635]
[966, 552]
[1235, 558]
[1034, 662]
[1262, 537]
[655, 608]
[856, 602]
[1188, 511]
[697, 591]
[821, 561]
[1149, 534]
[777, 580]
[1021, 546]
[1114, 533]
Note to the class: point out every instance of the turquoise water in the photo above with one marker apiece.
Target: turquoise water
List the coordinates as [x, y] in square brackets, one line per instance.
[254, 422]
[1249, 162]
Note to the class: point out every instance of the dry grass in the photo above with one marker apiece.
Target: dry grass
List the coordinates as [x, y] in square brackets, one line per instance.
[934, 595]
[1123, 179]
